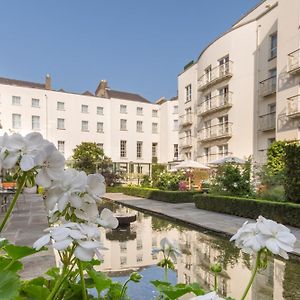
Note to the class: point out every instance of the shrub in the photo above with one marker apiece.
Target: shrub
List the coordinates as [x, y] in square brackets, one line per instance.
[146, 181]
[273, 193]
[156, 170]
[167, 181]
[286, 213]
[292, 172]
[155, 194]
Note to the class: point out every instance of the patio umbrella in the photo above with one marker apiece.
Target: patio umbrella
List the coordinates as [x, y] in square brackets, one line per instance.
[228, 159]
[191, 164]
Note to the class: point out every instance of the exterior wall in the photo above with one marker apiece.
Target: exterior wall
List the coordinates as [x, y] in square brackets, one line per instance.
[187, 123]
[73, 135]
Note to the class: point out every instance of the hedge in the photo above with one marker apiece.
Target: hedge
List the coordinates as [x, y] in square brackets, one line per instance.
[155, 194]
[282, 212]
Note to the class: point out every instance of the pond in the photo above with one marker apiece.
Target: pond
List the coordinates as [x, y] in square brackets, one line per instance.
[130, 250]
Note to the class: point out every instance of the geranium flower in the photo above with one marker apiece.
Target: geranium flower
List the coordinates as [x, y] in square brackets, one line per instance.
[107, 219]
[168, 248]
[96, 185]
[209, 296]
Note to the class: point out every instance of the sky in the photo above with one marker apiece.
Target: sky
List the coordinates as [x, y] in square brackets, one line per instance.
[138, 46]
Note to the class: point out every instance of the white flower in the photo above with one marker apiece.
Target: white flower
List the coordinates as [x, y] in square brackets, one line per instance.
[168, 248]
[65, 191]
[209, 296]
[107, 219]
[96, 185]
[277, 238]
[52, 163]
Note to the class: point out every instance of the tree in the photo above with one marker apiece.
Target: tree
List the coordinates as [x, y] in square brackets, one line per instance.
[87, 156]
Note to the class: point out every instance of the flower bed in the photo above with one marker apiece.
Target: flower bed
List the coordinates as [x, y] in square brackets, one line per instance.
[155, 194]
[286, 213]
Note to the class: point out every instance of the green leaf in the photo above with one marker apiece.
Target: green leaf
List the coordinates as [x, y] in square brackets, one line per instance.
[157, 283]
[38, 281]
[197, 289]
[36, 292]
[17, 252]
[9, 285]
[53, 272]
[102, 282]
[14, 267]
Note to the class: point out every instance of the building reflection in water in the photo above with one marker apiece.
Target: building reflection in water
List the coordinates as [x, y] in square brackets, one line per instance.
[130, 249]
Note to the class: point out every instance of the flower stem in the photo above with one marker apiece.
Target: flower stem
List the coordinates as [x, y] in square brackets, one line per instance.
[166, 273]
[79, 264]
[124, 288]
[21, 184]
[252, 276]
[216, 282]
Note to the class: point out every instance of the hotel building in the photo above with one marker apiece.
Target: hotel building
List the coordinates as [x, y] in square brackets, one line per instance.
[242, 93]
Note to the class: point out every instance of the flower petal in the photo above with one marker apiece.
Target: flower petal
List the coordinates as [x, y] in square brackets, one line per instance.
[62, 245]
[41, 242]
[84, 254]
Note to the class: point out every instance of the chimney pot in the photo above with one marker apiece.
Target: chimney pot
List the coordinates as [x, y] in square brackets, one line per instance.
[48, 82]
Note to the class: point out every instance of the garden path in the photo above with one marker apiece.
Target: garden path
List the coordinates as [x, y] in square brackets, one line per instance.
[24, 227]
[187, 213]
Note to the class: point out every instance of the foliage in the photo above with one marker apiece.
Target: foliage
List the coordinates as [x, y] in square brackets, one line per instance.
[156, 170]
[232, 179]
[146, 181]
[283, 212]
[291, 280]
[275, 158]
[273, 193]
[168, 181]
[183, 186]
[155, 194]
[292, 172]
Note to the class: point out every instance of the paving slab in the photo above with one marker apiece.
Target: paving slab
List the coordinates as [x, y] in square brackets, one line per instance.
[187, 213]
[25, 226]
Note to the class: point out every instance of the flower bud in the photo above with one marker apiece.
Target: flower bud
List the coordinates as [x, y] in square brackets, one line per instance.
[135, 277]
[216, 268]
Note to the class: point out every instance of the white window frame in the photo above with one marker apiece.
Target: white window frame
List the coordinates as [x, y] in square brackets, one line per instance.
[154, 149]
[61, 146]
[273, 48]
[139, 111]
[100, 126]
[16, 100]
[16, 121]
[123, 109]
[35, 102]
[188, 93]
[61, 124]
[139, 149]
[175, 109]
[100, 110]
[84, 125]
[35, 122]
[139, 126]
[123, 124]
[154, 127]
[154, 113]
[60, 105]
[175, 125]
[176, 151]
[123, 149]
[84, 108]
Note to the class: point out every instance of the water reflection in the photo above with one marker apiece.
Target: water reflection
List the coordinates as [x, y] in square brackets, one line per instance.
[130, 249]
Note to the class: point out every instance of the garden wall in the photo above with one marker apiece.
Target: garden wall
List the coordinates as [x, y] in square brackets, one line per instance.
[155, 194]
[286, 213]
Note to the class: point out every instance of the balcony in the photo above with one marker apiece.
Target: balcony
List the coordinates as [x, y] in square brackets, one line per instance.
[186, 120]
[293, 66]
[215, 75]
[268, 86]
[267, 121]
[215, 103]
[212, 156]
[185, 142]
[293, 107]
[215, 132]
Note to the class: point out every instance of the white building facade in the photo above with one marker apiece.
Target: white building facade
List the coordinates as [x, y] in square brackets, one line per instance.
[127, 126]
[244, 87]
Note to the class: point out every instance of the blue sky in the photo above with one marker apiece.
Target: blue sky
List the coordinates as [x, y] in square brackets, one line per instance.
[137, 45]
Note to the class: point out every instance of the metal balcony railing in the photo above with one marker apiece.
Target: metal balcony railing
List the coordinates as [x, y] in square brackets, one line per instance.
[268, 86]
[267, 121]
[215, 103]
[223, 130]
[185, 120]
[293, 106]
[216, 75]
[294, 62]
[212, 156]
[185, 142]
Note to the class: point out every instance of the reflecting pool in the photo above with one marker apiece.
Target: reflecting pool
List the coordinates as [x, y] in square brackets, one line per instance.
[130, 250]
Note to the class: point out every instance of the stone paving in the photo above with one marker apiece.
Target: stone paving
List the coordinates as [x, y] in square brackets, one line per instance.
[25, 226]
[188, 213]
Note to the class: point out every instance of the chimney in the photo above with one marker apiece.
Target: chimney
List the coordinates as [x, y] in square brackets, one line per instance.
[48, 82]
[101, 90]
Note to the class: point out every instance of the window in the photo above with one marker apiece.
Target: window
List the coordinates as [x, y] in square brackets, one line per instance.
[35, 102]
[224, 65]
[139, 111]
[223, 150]
[154, 149]
[139, 149]
[272, 108]
[223, 125]
[175, 109]
[206, 154]
[188, 155]
[60, 105]
[16, 121]
[84, 126]
[123, 150]
[139, 244]
[154, 127]
[99, 110]
[154, 113]
[207, 72]
[100, 127]
[16, 100]
[35, 122]
[207, 101]
[223, 96]
[188, 93]
[175, 125]
[139, 258]
[273, 45]
[123, 247]
[100, 146]
[273, 74]
[123, 124]
[123, 109]
[60, 123]
[139, 126]
[123, 260]
[61, 146]
[176, 152]
[84, 109]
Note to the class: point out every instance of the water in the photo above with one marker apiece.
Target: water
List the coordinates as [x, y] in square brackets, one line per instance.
[130, 250]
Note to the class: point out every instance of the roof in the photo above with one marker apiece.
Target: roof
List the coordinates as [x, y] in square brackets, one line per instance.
[126, 96]
[88, 93]
[22, 83]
